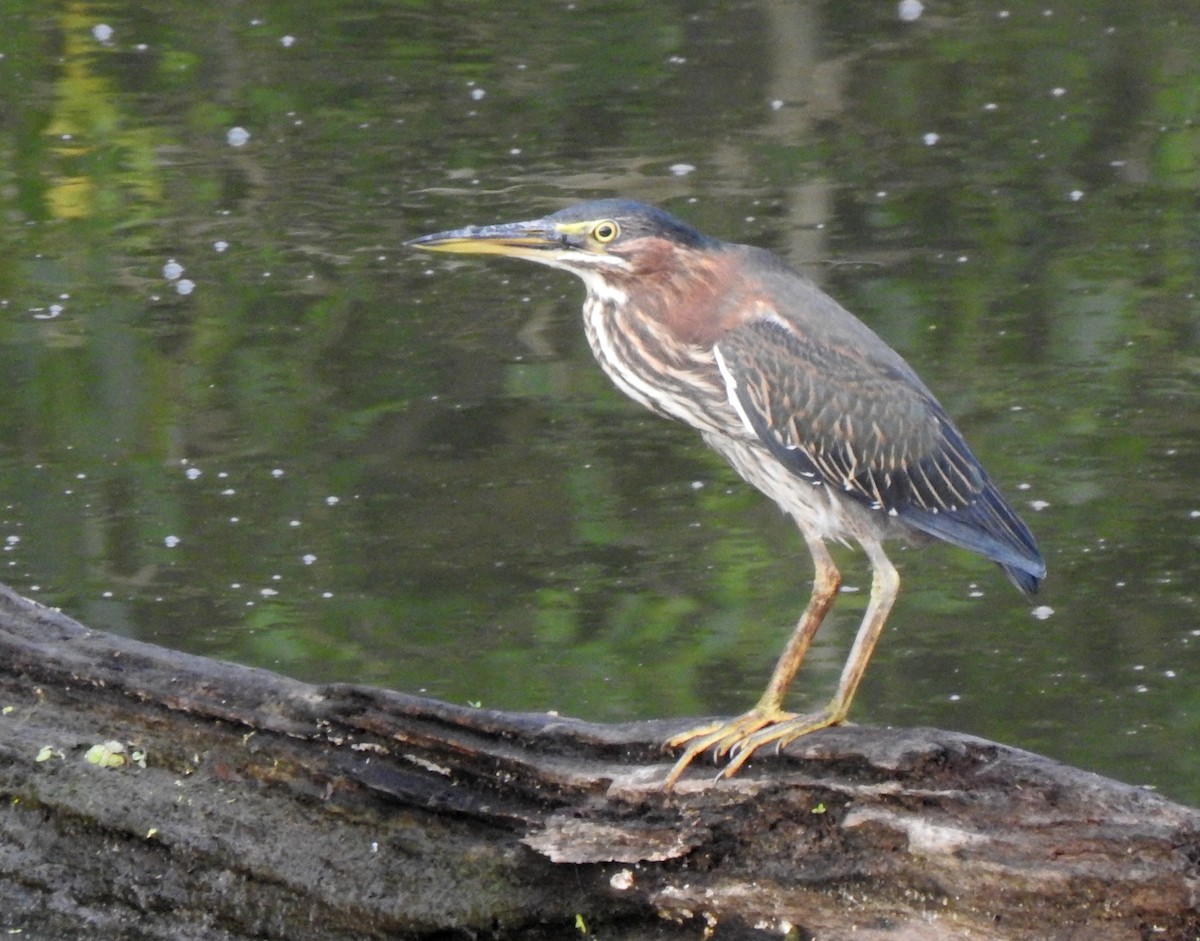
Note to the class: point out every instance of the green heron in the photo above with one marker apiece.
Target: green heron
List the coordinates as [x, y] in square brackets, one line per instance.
[804, 400]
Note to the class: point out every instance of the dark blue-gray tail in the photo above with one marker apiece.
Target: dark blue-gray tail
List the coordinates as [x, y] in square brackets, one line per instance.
[992, 528]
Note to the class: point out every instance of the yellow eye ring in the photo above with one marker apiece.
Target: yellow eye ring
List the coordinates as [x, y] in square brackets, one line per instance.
[606, 231]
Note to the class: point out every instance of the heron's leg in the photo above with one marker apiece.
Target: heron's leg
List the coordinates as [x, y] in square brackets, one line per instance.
[723, 736]
[826, 581]
[885, 585]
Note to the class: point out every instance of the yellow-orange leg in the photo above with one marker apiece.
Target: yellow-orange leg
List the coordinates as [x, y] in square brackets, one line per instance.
[767, 722]
[723, 736]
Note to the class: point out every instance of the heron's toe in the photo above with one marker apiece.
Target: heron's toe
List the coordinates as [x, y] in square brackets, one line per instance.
[724, 738]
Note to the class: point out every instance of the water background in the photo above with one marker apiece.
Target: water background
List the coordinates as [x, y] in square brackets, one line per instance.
[240, 419]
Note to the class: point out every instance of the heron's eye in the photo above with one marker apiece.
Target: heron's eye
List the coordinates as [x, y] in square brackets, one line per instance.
[606, 231]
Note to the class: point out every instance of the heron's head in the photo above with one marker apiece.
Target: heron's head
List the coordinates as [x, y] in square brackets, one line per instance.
[605, 241]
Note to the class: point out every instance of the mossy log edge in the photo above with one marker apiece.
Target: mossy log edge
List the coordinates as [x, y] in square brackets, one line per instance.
[271, 808]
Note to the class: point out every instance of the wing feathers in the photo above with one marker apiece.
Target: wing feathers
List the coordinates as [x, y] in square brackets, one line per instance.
[870, 429]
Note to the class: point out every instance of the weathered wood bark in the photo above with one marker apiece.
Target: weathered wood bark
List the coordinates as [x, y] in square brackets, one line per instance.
[268, 808]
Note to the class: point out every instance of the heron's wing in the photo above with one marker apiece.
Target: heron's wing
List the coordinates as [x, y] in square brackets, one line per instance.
[859, 420]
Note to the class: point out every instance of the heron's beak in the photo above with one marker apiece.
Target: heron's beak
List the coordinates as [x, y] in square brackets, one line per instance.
[535, 239]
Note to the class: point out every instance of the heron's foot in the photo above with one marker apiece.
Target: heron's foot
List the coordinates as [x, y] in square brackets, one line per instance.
[741, 737]
[723, 738]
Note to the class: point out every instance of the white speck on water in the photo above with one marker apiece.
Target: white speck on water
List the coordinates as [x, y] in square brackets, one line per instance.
[991, 106]
[1075, 195]
[1024, 486]
[697, 485]
[681, 169]
[220, 245]
[106, 594]
[277, 472]
[185, 286]
[308, 558]
[676, 60]
[477, 94]
[293, 523]
[327, 594]
[1169, 674]
[171, 542]
[228, 492]
[287, 41]
[777, 104]
[332, 501]
[192, 473]
[954, 697]
[1058, 92]
[930, 139]
[910, 10]
[172, 269]
[1042, 611]
[237, 137]
[103, 32]
[235, 519]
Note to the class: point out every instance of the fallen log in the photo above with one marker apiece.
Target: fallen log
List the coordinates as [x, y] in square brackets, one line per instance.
[234, 803]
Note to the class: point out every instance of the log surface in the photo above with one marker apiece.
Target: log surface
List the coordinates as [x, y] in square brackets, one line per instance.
[271, 808]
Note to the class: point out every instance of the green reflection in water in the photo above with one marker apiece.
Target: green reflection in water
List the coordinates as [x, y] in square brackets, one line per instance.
[408, 472]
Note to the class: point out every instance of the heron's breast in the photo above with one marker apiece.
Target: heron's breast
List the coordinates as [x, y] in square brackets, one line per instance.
[674, 379]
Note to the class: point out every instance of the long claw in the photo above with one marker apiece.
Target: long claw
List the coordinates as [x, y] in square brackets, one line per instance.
[724, 738]
[701, 731]
[738, 739]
